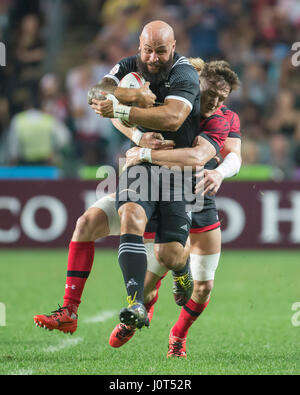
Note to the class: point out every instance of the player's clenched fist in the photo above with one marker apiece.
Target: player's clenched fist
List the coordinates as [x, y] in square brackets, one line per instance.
[133, 157]
[104, 108]
[155, 140]
[145, 97]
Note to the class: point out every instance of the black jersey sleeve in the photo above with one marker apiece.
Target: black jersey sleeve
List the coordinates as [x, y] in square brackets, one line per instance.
[125, 66]
[184, 82]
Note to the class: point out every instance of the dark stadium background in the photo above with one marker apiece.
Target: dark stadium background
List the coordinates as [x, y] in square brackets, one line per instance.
[56, 50]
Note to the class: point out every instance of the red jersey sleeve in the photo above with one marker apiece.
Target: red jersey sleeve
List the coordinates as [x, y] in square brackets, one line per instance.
[234, 122]
[215, 129]
[235, 127]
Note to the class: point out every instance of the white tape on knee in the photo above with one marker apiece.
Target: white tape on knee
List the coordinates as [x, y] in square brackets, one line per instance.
[152, 263]
[108, 205]
[203, 267]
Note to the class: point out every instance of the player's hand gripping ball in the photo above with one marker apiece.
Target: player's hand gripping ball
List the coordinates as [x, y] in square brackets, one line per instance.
[131, 80]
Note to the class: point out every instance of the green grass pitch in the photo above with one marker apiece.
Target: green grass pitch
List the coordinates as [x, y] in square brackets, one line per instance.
[246, 329]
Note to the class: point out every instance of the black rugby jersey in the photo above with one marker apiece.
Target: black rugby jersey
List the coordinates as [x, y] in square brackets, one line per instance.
[182, 84]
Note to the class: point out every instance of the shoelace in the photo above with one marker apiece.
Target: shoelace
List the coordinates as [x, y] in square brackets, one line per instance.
[131, 302]
[183, 280]
[59, 311]
[124, 332]
[176, 348]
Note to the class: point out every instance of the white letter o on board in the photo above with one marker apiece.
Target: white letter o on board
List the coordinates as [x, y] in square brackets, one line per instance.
[58, 218]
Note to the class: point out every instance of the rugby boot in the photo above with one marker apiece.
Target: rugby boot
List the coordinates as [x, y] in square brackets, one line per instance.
[183, 285]
[134, 315]
[60, 319]
[177, 347]
[121, 335]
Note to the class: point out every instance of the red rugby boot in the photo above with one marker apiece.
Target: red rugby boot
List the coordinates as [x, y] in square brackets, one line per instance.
[176, 347]
[121, 335]
[60, 319]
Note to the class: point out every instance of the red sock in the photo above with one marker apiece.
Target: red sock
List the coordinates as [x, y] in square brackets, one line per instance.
[154, 300]
[80, 262]
[188, 315]
[158, 284]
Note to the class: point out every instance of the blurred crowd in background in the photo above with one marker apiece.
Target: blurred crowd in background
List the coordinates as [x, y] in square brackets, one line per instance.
[56, 50]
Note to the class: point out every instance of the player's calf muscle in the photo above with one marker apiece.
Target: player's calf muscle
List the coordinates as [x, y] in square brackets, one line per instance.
[171, 255]
[202, 290]
[133, 219]
[150, 291]
[91, 226]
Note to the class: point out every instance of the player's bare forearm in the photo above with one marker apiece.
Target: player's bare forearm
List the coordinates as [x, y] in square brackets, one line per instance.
[168, 117]
[195, 156]
[156, 118]
[180, 157]
[135, 155]
[126, 95]
[150, 140]
[231, 165]
[232, 144]
[141, 97]
[128, 132]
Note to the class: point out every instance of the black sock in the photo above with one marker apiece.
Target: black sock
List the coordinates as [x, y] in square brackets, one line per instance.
[133, 263]
[184, 270]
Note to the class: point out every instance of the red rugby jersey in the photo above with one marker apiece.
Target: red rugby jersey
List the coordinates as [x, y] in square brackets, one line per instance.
[234, 122]
[221, 124]
[215, 129]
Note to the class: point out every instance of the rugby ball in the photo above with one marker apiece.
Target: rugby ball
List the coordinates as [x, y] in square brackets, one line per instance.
[131, 80]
